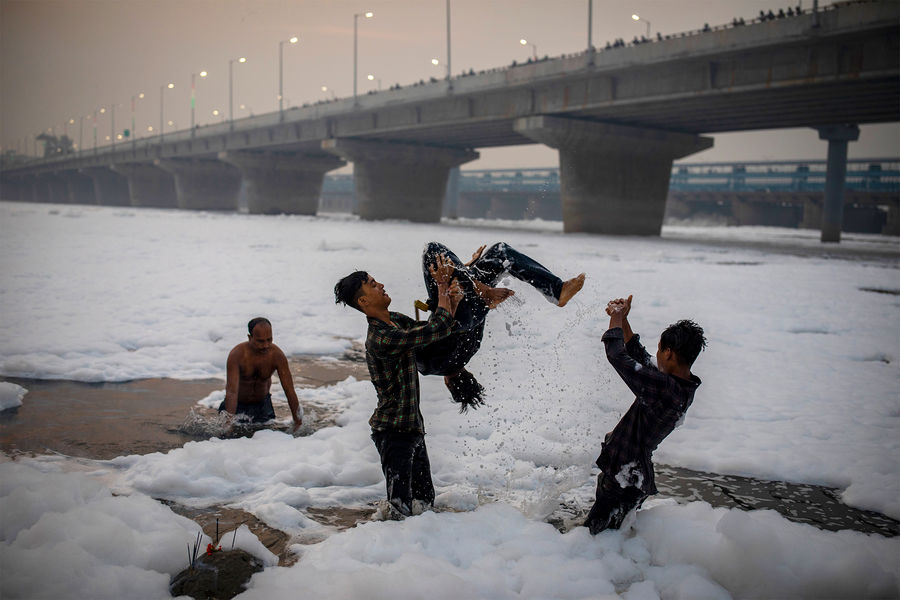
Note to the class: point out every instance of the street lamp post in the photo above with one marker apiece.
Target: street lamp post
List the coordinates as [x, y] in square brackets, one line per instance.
[194, 97]
[231, 89]
[133, 130]
[112, 125]
[637, 18]
[525, 42]
[356, 17]
[326, 89]
[281, 44]
[448, 44]
[161, 109]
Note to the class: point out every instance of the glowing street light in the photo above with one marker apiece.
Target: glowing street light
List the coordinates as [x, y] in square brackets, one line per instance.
[637, 18]
[162, 89]
[293, 40]
[326, 89]
[356, 17]
[525, 42]
[231, 88]
[194, 96]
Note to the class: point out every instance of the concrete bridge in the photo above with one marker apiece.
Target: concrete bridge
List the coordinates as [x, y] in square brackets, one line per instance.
[618, 117]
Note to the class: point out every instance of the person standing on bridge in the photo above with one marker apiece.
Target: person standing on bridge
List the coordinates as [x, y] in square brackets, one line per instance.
[249, 372]
[477, 278]
[663, 393]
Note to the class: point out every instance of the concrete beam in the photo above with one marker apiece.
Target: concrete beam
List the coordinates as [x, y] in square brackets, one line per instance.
[279, 182]
[399, 181]
[835, 178]
[202, 184]
[110, 189]
[148, 185]
[614, 179]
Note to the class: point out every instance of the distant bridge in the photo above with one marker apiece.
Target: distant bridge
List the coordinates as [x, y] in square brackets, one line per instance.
[780, 193]
[618, 117]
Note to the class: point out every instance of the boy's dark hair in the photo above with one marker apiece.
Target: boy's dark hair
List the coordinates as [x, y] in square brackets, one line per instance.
[685, 339]
[349, 289]
[466, 391]
[256, 321]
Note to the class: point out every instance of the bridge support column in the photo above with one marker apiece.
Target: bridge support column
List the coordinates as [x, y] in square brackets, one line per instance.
[835, 176]
[510, 206]
[81, 188]
[613, 179]
[285, 183]
[399, 181]
[59, 189]
[148, 185]
[202, 184]
[111, 189]
[451, 202]
[40, 191]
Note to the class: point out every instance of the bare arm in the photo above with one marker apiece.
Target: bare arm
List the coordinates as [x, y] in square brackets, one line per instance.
[232, 377]
[287, 384]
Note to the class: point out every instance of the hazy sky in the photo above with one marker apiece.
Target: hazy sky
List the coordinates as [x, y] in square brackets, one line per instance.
[64, 59]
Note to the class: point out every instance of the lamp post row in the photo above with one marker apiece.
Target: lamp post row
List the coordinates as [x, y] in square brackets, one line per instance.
[294, 40]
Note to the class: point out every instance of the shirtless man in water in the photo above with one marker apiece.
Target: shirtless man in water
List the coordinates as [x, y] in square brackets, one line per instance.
[249, 376]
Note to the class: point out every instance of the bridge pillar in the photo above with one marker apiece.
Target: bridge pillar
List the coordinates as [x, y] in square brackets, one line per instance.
[148, 185]
[110, 189]
[279, 182]
[451, 202]
[399, 181]
[510, 206]
[203, 184]
[40, 189]
[12, 190]
[613, 179]
[59, 189]
[835, 177]
[81, 188]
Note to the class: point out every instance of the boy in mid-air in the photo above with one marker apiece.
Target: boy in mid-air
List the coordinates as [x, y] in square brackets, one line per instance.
[663, 393]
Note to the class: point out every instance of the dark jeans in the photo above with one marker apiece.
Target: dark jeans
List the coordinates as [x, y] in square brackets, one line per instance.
[612, 504]
[449, 355]
[259, 412]
[407, 472]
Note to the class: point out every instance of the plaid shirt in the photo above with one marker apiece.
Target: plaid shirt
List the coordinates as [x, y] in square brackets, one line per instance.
[391, 357]
[660, 403]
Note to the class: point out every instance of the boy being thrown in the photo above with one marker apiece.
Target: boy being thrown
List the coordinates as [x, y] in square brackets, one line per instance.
[662, 396]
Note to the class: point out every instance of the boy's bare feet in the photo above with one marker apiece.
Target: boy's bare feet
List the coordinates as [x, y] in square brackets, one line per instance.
[492, 296]
[570, 288]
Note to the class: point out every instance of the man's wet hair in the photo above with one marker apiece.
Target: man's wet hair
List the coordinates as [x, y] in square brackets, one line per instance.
[256, 321]
[349, 289]
[684, 338]
[466, 391]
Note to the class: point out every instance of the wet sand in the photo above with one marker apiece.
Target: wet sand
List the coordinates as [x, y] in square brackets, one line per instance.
[105, 420]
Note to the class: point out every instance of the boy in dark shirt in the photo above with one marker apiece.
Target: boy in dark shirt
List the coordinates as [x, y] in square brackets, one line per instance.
[663, 394]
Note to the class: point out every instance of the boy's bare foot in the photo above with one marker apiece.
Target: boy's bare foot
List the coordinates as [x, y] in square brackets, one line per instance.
[493, 297]
[570, 288]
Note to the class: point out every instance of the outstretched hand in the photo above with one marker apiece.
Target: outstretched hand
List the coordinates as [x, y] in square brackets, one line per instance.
[442, 271]
[619, 307]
